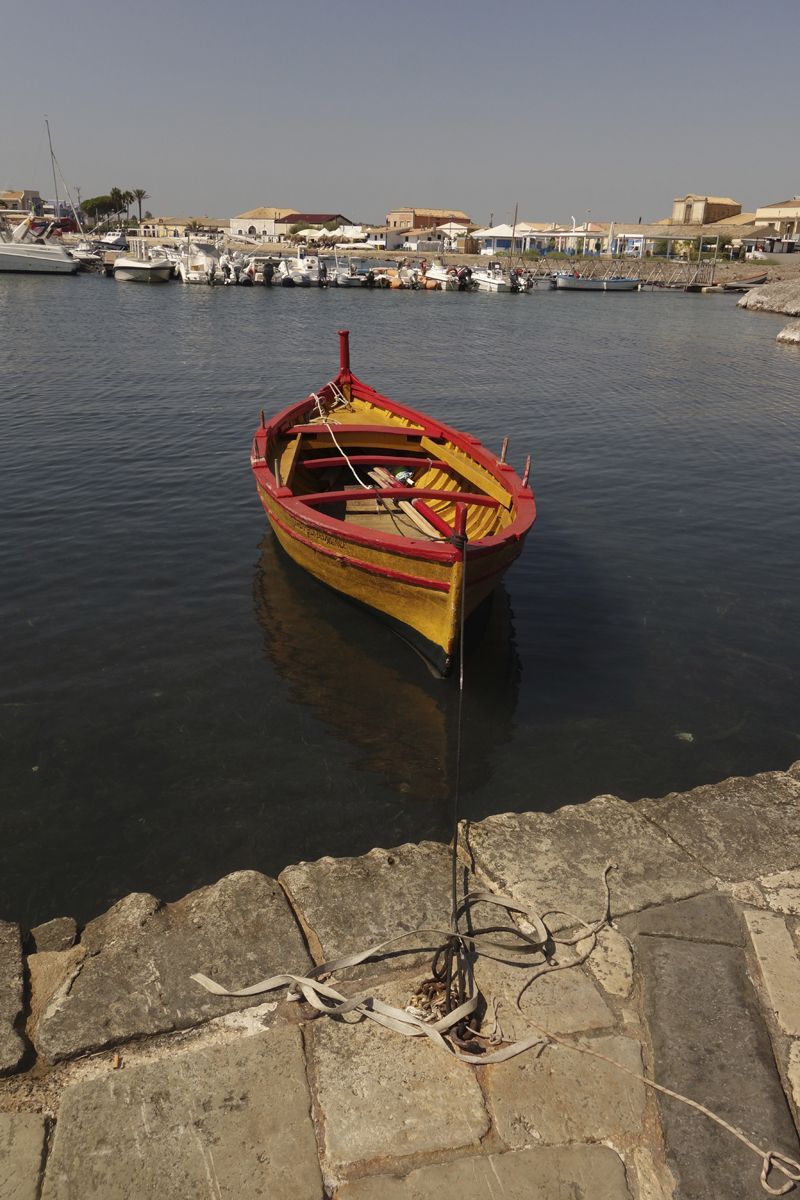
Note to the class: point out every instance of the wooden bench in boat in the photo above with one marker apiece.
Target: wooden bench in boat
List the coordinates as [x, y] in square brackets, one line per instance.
[399, 493]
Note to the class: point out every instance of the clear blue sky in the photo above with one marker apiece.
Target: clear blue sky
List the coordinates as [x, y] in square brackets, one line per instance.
[357, 106]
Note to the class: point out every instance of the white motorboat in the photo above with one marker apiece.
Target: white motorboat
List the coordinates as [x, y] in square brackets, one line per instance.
[582, 284]
[304, 270]
[28, 248]
[142, 270]
[88, 253]
[116, 239]
[200, 263]
[262, 268]
[492, 278]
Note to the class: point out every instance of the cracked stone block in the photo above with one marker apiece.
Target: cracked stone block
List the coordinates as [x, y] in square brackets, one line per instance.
[566, 1001]
[611, 962]
[349, 904]
[12, 1047]
[381, 1095]
[710, 1043]
[22, 1147]
[557, 1173]
[555, 860]
[782, 892]
[231, 1121]
[562, 1095]
[738, 829]
[58, 934]
[135, 977]
[779, 966]
[708, 918]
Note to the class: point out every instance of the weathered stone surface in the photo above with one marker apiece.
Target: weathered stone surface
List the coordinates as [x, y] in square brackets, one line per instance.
[708, 918]
[782, 892]
[556, 860]
[710, 1044]
[790, 334]
[778, 296]
[12, 1047]
[561, 1002]
[349, 904]
[794, 1073]
[22, 1141]
[561, 1173]
[382, 1095]
[779, 966]
[230, 1122]
[58, 934]
[135, 978]
[738, 829]
[563, 1096]
[49, 971]
[611, 961]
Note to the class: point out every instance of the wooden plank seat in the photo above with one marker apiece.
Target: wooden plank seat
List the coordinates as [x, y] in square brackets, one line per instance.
[346, 429]
[383, 460]
[399, 493]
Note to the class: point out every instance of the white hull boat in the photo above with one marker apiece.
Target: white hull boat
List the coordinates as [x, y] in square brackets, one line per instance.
[21, 250]
[200, 264]
[142, 270]
[491, 281]
[578, 283]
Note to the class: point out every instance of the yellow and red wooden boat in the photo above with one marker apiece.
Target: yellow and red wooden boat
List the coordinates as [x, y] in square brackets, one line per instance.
[374, 498]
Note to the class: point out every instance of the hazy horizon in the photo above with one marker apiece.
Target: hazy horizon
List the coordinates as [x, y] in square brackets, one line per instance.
[346, 108]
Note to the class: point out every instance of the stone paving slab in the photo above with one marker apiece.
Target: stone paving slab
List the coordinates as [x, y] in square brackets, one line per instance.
[710, 1044]
[708, 918]
[563, 1096]
[348, 904]
[12, 1047]
[555, 860]
[135, 978]
[779, 966]
[561, 1002]
[738, 829]
[22, 1144]
[225, 1123]
[381, 1095]
[560, 1173]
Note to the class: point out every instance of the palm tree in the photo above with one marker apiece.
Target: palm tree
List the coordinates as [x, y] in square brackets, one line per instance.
[117, 198]
[139, 194]
[128, 198]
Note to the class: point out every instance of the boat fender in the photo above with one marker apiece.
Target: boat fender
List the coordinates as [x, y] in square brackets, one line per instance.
[452, 271]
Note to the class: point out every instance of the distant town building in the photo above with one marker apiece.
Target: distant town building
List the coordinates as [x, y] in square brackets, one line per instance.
[259, 222]
[319, 219]
[702, 210]
[178, 227]
[784, 216]
[424, 218]
[22, 201]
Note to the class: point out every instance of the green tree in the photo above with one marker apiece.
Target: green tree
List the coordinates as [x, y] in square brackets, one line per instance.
[117, 199]
[295, 229]
[139, 194]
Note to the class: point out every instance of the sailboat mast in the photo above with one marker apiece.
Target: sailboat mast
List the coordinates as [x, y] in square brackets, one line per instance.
[513, 236]
[52, 161]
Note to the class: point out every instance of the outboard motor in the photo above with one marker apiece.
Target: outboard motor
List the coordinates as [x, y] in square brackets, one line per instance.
[322, 281]
[464, 279]
[371, 279]
[267, 272]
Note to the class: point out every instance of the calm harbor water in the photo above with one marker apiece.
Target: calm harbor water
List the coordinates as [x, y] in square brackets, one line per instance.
[180, 701]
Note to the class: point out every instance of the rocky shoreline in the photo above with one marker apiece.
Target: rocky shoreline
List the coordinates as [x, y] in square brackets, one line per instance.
[124, 1078]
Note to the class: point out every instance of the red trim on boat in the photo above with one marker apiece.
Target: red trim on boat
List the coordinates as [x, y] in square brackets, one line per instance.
[398, 493]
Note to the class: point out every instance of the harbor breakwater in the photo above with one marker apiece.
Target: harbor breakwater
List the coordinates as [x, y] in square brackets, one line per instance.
[125, 1078]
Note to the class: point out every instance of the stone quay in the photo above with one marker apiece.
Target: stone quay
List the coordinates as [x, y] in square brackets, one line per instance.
[123, 1079]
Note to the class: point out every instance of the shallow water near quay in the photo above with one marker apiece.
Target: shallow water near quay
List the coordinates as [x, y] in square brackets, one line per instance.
[179, 700]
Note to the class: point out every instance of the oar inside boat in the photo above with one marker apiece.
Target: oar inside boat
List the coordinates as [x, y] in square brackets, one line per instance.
[363, 491]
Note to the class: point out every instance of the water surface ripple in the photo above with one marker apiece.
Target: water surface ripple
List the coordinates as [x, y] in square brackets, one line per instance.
[180, 701]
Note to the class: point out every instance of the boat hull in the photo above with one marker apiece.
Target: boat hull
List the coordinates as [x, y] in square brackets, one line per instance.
[391, 584]
[23, 257]
[571, 283]
[135, 272]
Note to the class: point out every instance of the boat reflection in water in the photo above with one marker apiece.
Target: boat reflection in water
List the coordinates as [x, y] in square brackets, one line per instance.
[374, 692]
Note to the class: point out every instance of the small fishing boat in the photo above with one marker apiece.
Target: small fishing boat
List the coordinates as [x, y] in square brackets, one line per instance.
[581, 283]
[391, 507]
[142, 270]
[200, 264]
[747, 281]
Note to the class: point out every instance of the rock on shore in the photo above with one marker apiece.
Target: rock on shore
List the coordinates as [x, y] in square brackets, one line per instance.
[790, 334]
[780, 297]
